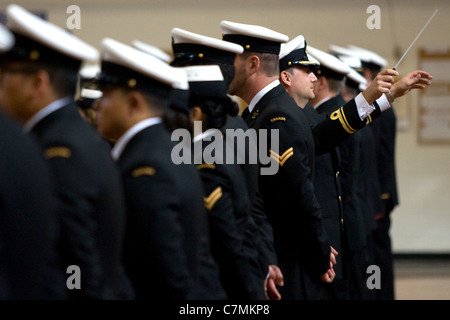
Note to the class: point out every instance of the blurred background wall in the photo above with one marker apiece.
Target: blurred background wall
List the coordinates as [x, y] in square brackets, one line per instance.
[421, 223]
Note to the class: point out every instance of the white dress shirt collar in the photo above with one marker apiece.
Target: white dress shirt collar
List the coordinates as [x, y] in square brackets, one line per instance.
[120, 145]
[41, 114]
[261, 94]
[322, 102]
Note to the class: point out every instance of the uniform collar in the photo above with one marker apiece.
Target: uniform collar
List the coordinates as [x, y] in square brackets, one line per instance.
[261, 94]
[120, 145]
[322, 102]
[41, 114]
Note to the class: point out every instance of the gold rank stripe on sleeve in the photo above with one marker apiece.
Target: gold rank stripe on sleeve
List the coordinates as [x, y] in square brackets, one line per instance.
[340, 115]
[143, 171]
[57, 152]
[206, 166]
[369, 119]
[385, 196]
[283, 158]
[211, 200]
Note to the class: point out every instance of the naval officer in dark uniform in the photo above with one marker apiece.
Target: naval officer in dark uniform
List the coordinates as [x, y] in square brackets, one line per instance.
[359, 202]
[191, 49]
[300, 239]
[298, 75]
[225, 192]
[27, 207]
[40, 78]
[384, 131]
[166, 242]
[27, 215]
[331, 76]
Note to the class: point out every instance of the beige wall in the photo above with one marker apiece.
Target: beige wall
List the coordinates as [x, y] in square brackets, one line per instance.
[422, 221]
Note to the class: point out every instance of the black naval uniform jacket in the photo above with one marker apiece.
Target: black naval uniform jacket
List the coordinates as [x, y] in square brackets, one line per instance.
[358, 177]
[301, 242]
[167, 253]
[350, 176]
[258, 238]
[331, 198]
[328, 191]
[228, 206]
[385, 131]
[27, 214]
[91, 208]
[361, 188]
[359, 182]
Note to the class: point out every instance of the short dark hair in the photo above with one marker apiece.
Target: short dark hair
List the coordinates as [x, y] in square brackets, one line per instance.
[63, 81]
[173, 118]
[216, 110]
[269, 61]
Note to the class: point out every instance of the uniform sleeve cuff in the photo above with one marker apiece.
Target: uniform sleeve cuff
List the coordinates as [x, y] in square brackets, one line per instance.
[364, 108]
[383, 103]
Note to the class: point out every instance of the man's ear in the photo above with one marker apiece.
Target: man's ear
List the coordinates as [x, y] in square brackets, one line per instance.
[322, 81]
[285, 78]
[134, 101]
[40, 81]
[196, 114]
[253, 63]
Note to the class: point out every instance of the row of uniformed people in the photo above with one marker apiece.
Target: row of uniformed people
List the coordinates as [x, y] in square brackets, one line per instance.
[345, 178]
[364, 169]
[151, 229]
[385, 198]
[196, 54]
[39, 68]
[169, 247]
[337, 169]
[304, 249]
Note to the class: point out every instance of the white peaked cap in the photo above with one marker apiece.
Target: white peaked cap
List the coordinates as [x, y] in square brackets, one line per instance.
[346, 55]
[206, 81]
[203, 73]
[297, 43]
[142, 63]
[153, 50]
[27, 24]
[90, 93]
[329, 61]
[339, 51]
[356, 77]
[252, 37]
[89, 70]
[313, 60]
[255, 31]
[295, 52]
[368, 56]
[184, 36]
[352, 61]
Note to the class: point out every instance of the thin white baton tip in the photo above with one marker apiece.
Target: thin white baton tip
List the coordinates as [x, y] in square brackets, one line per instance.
[417, 37]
